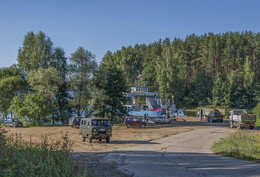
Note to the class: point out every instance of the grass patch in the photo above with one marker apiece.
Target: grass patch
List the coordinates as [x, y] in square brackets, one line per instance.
[18, 158]
[191, 113]
[239, 145]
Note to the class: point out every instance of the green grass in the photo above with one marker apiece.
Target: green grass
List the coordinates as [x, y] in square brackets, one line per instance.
[18, 158]
[257, 122]
[239, 145]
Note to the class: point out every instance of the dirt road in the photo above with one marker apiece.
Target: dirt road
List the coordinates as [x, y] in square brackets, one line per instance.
[93, 154]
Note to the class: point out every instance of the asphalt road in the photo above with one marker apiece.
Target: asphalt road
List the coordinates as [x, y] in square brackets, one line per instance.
[185, 154]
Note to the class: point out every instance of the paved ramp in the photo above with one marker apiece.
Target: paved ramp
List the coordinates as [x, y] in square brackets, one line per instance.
[185, 154]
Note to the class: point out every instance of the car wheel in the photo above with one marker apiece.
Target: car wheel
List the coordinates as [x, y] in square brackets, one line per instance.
[252, 127]
[77, 125]
[89, 139]
[128, 125]
[83, 139]
[108, 139]
[100, 139]
[142, 125]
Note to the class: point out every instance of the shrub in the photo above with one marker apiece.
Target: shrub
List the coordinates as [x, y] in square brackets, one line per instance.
[256, 111]
[18, 158]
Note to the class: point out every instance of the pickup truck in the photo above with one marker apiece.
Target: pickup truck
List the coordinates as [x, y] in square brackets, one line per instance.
[240, 118]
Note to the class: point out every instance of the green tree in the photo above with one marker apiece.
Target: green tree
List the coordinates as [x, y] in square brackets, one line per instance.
[235, 90]
[81, 68]
[112, 86]
[98, 101]
[219, 90]
[62, 109]
[30, 106]
[46, 83]
[202, 89]
[249, 85]
[36, 52]
[11, 84]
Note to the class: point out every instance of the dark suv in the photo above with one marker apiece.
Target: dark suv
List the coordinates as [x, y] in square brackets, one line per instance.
[134, 121]
[74, 122]
[12, 123]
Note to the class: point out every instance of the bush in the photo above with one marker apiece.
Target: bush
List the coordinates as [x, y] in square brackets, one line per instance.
[191, 113]
[18, 158]
[239, 145]
[256, 111]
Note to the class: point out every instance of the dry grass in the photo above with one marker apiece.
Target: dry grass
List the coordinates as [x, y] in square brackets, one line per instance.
[48, 158]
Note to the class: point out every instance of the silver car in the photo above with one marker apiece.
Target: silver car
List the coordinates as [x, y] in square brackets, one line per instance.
[12, 123]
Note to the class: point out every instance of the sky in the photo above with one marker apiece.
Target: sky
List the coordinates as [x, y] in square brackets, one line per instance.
[107, 25]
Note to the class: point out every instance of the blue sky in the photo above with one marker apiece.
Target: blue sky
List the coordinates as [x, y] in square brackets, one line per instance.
[103, 25]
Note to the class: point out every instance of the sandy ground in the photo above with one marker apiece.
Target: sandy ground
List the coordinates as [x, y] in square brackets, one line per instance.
[92, 154]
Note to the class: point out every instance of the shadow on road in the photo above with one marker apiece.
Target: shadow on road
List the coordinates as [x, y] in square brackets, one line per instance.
[153, 163]
[131, 142]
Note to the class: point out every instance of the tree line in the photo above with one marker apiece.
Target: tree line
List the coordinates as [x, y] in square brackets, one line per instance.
[221, 70]
[46, 85]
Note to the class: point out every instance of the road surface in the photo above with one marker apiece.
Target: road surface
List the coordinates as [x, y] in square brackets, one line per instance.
[184, 154]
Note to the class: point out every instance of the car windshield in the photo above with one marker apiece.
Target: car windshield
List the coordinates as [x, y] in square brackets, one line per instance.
[104, 123]
[238, 112]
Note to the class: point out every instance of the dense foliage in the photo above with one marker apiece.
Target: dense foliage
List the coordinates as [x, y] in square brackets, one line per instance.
[220, 70]
[212, 69]
[45, 85]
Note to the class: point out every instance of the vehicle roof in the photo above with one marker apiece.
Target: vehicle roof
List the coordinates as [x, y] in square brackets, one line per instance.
[239, 111]
[94, 118]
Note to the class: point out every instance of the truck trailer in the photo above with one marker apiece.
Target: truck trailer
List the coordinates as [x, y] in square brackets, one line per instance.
[241, 119]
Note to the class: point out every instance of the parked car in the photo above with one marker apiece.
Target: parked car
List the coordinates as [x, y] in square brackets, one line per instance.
[12, 123]
[134, 121]
[162, 120]
[95, 128]
[74, 122]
